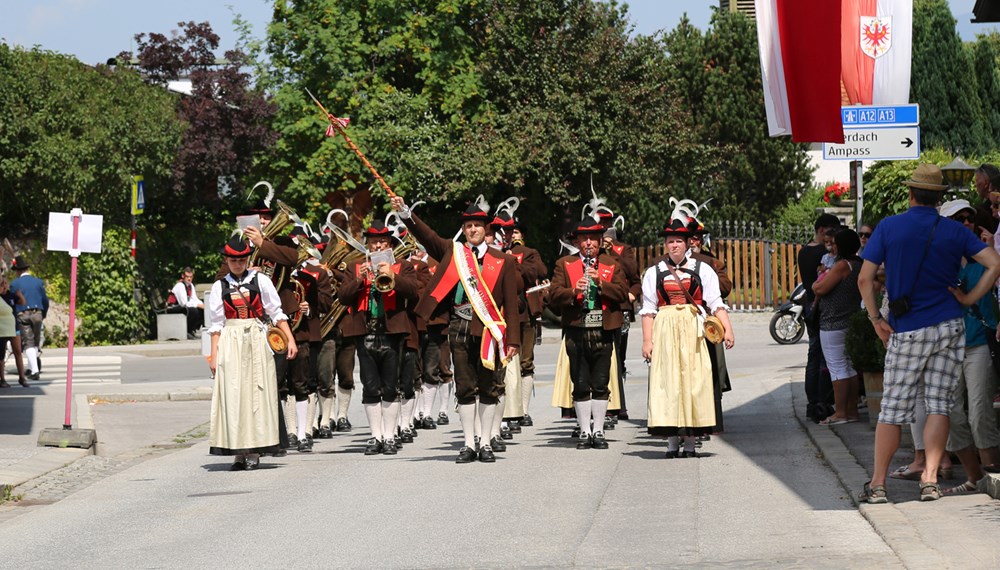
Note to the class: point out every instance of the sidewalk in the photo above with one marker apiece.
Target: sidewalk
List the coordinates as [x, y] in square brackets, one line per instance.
[953, 532]
[102, 400]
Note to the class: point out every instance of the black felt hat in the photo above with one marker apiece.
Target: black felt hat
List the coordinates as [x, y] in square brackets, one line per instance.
[236, 247]
[378, 229]
[19, 264]
[676, 227]
[475, 213]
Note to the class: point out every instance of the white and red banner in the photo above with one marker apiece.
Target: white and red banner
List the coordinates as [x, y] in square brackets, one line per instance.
[800, 68]
[875, 51]
[819, 55]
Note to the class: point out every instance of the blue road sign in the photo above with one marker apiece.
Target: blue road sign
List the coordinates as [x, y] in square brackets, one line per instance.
[865, 116]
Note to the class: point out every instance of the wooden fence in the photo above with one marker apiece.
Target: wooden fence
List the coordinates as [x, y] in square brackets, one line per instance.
[764, 272]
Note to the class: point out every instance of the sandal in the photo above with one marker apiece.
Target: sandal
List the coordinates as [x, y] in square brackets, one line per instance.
[930, 491]
[905, 472]
[966, 488]
[873, 495]
[834, 421]
[4, 384]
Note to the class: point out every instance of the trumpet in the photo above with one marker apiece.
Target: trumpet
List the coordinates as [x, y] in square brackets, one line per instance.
[384, 283]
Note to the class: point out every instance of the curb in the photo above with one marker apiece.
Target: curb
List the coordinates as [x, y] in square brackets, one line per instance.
[198, 394]
[887, 520]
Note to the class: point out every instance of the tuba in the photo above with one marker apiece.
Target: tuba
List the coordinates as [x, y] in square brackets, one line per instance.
[284, 218]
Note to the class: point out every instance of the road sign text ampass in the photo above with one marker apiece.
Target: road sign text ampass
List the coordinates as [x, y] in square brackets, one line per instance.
[886, 143]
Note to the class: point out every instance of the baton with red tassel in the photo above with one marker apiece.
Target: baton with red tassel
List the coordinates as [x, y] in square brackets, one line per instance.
[339, 127]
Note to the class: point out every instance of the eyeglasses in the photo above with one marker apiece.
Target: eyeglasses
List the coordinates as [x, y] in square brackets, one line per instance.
[865, 235]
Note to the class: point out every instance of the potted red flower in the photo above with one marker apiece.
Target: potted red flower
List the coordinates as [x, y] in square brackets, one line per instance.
[837, 193]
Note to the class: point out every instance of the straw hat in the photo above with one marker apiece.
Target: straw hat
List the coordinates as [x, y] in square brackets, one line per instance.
[927, 177]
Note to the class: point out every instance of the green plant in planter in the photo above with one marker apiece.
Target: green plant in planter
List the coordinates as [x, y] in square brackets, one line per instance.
[864, 348]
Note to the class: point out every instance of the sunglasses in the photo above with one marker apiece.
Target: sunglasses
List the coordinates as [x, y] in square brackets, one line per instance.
[865, 234]
[963, 218]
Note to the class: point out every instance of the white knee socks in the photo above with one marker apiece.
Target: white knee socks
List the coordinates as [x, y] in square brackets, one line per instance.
[290, 415]
[390, 415]
[447, 391]
[497, 419]
[427, 400]
[374, 414]
[467, 414]
[301, 418]
[343, 402]
[311, 413]
[487, 412]
[406, 413]
[673, 443]
[326, 408]
[689, 442]
[584, 410]
[598, 409]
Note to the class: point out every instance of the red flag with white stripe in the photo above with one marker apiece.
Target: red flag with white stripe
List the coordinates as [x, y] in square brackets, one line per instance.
[800, 68]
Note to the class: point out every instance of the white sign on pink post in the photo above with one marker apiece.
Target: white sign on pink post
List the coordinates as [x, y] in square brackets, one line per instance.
[75, 233]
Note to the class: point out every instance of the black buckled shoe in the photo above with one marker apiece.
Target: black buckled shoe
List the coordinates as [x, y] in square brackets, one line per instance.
[498, 445]
[305, 445]
[673, 454]
[443, 419]
[238, 465]
[293, 440]
[515, 426]
[343, 425]
[608, 423]
[583, 441]
[505, 433]
[597, 441]
[374, 447]
[389, 447]
[325, 433]
[486, 455]
[413, 430]
[428, 423]
[526, 421]
[253, 463]
[466, 455]
[406, 436]
[685, 454]
[576, 432]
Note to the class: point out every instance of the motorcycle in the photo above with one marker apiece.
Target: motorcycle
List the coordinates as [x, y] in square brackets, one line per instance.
[788, 323]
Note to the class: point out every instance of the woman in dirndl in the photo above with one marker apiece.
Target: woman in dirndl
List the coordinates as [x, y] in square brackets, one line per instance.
[244, 418]
[681, 397]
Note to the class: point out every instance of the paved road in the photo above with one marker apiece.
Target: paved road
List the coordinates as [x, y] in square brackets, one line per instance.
[759, 497]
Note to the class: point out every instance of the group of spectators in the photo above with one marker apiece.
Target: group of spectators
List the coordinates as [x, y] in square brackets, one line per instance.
[25, 304]
[928, 281]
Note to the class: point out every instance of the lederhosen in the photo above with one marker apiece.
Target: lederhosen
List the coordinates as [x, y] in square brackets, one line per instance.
[589, 347]
[379, 353]
[472, 379]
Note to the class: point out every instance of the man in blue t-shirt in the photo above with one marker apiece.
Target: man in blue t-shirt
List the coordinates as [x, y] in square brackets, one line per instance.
[925, 333]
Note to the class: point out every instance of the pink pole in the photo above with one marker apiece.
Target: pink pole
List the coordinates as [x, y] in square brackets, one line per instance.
[74, 255]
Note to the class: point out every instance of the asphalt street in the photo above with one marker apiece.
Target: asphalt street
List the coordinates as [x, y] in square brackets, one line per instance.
[760, 496]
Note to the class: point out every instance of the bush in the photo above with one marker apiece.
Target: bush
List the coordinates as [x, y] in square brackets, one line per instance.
[105, 302]
[864, 348]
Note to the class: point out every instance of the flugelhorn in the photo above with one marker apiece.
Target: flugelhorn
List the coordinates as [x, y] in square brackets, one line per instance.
[385, 282]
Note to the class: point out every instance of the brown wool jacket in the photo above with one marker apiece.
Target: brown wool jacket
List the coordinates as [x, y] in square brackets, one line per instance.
[355, 323]
[319, 295]
[564, 297]
[504, 292]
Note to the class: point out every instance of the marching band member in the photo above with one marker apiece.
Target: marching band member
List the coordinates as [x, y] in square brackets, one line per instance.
[377, 321]
[535, 304]
[589, 289]
[474, 284]
[674, 292]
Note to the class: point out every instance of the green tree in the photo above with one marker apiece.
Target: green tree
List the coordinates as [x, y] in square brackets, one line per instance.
[72, 136]
[951, 116]
[987, 82]
[719, 75]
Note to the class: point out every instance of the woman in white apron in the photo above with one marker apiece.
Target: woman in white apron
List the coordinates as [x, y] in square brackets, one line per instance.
[244, 418]
[681, 398]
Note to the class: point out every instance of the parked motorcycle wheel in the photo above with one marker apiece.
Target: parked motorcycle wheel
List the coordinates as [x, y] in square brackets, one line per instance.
[786, 328]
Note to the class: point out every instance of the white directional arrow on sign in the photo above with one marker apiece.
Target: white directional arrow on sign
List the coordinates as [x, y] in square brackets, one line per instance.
[886, 143]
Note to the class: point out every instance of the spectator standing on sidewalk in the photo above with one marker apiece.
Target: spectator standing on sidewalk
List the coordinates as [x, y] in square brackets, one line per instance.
[9, 333]
[819, 394]
[183, 300]
[925, 333]
[31, 314]
[974, 436]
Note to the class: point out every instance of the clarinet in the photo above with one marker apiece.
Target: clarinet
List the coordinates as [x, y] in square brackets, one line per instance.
[589, 297]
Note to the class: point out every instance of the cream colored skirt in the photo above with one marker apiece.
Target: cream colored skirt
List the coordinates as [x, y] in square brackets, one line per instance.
[245, 400]
[680, 371]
